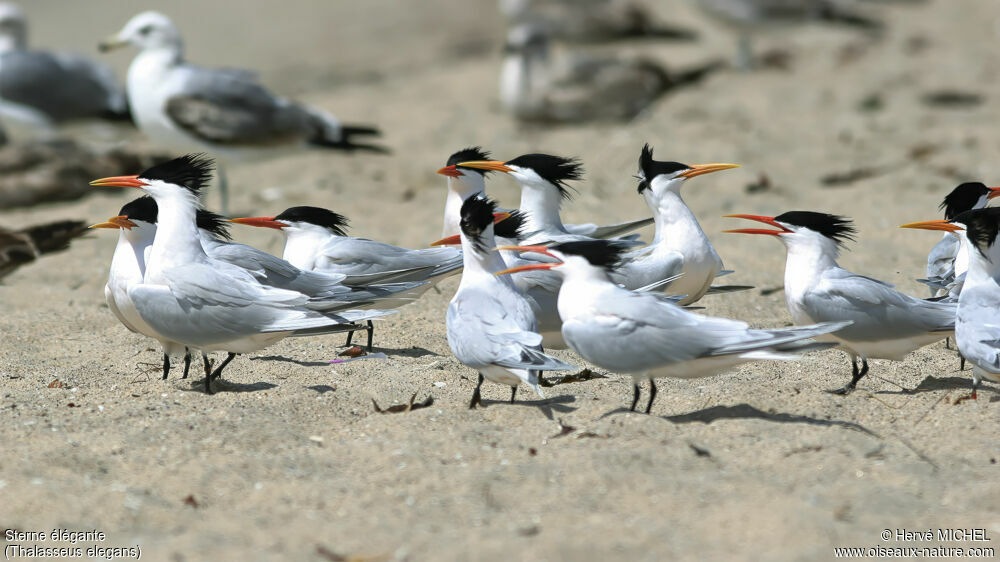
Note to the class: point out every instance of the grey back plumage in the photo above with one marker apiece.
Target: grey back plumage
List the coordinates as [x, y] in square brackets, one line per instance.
[61, 86]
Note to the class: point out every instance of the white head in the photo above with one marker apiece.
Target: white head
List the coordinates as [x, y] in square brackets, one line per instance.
[13, 27]
[657, 178]
[147, 31]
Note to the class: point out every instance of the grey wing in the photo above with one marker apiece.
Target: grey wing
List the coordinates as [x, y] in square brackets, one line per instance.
[200, 304]
[276, 272]
[60, 89]
[612, 230]
[876, 309]
[941, 264]
[636, 332]
[229, 108]
[88, 69]
[644, 270]
[941, 259]
[362, 279]
[978, 334]
[356, 256]
[484, 331]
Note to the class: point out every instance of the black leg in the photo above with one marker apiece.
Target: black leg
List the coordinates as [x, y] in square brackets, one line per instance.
[855, 377]
[207, 364]
[513, 392]
[475, 394]
[541, 379]
[350, 336]
[652, 395]
[371, 334]
[961, 362]
[166, 365]
[217, 372]
[947, 343]
[635, 395]
[187, 362]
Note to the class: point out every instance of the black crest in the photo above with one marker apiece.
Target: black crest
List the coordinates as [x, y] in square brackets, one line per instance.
[649, 168]
[555, 169]
[141, 209]
[837, 228]
[511, 227]
[192, 171]
[477, 216]
[470, 154]
[606, 254]
[216, 224]
[981, 226]
[962, 198]
[319, 216]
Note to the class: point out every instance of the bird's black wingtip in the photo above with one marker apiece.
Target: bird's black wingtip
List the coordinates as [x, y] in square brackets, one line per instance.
[346, 142]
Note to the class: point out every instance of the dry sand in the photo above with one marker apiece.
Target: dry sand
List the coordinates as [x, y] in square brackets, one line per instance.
[290, 461]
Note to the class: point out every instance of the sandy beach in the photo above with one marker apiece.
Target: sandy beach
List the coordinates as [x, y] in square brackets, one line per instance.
[289, 460]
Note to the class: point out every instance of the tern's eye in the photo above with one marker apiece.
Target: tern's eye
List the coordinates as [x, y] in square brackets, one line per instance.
[145, 31]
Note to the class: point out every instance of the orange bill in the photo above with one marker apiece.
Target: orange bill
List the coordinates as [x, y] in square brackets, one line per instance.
[450, 171]
[702, 169]
[491, 165]
[758, 218]
[933, 225]
[119, 181]
[266, 222]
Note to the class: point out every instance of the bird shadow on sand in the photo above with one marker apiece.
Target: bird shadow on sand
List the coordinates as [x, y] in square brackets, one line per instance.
[407, 352]
[413, 351]
[321, 388]
[746, 411]
[221, 385]
[931, 383]
[546, 405]
[283, 359]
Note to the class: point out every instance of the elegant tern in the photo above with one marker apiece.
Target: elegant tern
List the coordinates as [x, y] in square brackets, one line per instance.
[948, 260]
[316, 240]
[645, 336]
[544, 186]
[205, 303]
[977, 331]
[491, 327]
[679, 246]
[136, 223]
[886, 324]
